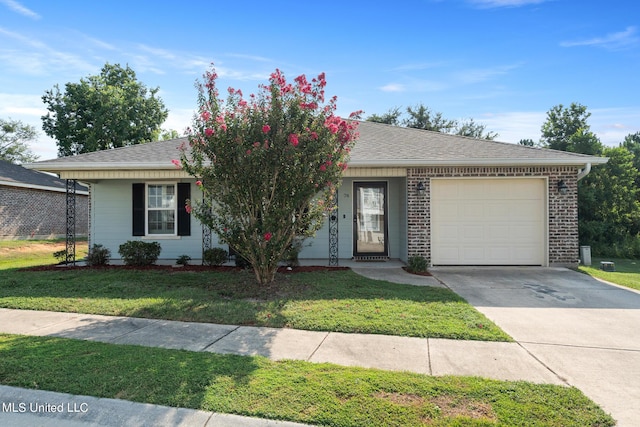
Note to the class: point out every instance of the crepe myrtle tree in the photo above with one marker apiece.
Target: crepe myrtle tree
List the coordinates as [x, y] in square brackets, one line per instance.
[268, 165]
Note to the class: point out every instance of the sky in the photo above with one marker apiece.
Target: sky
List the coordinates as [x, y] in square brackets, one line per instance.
[504, 63]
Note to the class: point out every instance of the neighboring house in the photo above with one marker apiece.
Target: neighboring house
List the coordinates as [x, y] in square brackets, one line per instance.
[34, 204]
[451, 199]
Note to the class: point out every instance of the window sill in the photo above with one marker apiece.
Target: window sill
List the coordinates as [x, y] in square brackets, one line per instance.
[161, 237]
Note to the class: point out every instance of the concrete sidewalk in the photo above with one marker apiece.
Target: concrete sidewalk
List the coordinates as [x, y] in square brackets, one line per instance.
[505, 361]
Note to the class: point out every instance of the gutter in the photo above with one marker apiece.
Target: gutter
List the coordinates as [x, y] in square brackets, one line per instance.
[584, 171]
[40, 187]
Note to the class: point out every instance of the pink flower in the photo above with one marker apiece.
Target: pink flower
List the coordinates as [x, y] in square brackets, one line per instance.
[323, 167]
[248, 152]
[208, 131]
[199, 183]
[176, 163]
[223, 127]
[256, 144]
[267, 236]
[220, 119]
[205, 115]
[314, 135]
[293, 139]
[266, 129]
[188, 209]
[333, 128]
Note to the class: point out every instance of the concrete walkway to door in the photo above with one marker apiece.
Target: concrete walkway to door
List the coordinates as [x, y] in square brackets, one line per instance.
[584, 330]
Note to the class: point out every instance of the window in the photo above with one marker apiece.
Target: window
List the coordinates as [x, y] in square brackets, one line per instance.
[158, 209]
[161, 209]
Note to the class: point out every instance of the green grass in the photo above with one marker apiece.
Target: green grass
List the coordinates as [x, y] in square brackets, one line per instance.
[627, 272]
[29, 253]
[340, 301]
[288, 390]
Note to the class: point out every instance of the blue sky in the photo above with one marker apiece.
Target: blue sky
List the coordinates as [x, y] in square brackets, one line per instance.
[504, 63]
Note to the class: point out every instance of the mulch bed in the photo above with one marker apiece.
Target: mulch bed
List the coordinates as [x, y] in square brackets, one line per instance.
[417, 273]
[175, 269]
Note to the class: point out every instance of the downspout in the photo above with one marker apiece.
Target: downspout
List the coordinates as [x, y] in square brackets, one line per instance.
[584, 171]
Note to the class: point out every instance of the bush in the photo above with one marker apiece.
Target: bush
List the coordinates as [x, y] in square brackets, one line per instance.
[61, 256]
[183, 260]
[215, 256]
[418, 264]
[291, 255]
[98, 255]
[138, 253]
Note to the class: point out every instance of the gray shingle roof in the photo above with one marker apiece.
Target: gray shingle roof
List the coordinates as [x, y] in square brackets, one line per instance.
[16, 174]
[379, 145]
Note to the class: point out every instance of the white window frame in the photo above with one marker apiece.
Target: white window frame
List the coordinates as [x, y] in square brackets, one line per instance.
[147, 209]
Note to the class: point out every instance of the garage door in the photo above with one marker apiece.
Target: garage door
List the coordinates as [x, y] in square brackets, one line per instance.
[488, 221]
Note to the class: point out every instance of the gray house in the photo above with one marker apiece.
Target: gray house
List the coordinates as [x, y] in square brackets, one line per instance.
[451, 199]
[33, 204]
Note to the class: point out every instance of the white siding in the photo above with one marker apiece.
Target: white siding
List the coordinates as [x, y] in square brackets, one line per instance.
[111, 222]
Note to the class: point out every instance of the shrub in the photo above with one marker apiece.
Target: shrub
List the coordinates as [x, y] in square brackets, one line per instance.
[215, 256]
[418, 264]
[291, 255]
[183, 260]
[138, 253]
[61, 256]
[98, 255]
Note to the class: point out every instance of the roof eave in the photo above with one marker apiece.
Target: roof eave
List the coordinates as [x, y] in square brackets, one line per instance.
[76, 166]
[479, 162]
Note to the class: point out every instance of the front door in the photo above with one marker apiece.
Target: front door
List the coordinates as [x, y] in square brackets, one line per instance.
[370, 219]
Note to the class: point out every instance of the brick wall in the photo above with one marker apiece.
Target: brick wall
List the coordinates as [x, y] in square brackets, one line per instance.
[29, 213]
[562, 216]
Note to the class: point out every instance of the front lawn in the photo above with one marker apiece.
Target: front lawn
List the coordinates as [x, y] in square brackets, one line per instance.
[627, 272]
[298, 391]
[341, 301]
[27, 253]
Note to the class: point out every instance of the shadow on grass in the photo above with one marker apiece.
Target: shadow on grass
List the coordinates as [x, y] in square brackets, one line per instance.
[340, 301]
[126, 372]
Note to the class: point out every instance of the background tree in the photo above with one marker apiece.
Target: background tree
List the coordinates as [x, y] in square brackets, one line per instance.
[271, 164]
[474, 130]
[608, 208]
[632, 143]
[566, 129]
[391, 117]
[112, 109]
[14, 139]
[527, 142]
[165, 134]
[422, 117]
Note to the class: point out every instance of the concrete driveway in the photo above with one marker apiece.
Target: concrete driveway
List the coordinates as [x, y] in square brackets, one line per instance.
[584, 330]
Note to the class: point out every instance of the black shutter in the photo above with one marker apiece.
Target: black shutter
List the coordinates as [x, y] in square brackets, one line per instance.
[137, 191]
[184, 219]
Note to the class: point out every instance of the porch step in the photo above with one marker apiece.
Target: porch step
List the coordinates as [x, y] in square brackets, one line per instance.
[370, 258]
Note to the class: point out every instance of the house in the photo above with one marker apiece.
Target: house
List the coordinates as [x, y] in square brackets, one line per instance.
[34, 204]
[451, 199]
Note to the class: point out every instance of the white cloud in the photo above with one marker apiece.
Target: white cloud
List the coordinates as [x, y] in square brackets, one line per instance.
[393, 87]
[619, 40]
[514, 126]
[479, 75]
[39, 58]
[18, 8]
[491, 4]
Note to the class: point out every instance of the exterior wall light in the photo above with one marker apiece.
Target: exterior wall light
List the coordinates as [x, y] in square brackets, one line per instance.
[562, 187]
[420, 188]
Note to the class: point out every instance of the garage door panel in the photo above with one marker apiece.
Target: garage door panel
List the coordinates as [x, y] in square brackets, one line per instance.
[488, 221]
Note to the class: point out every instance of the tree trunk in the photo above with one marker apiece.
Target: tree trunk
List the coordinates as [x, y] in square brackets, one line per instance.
[265, 274]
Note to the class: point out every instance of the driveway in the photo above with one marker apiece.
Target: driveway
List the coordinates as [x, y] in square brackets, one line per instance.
[584, 330]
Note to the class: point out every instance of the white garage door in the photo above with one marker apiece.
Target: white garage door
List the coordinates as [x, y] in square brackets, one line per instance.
[488, 221]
